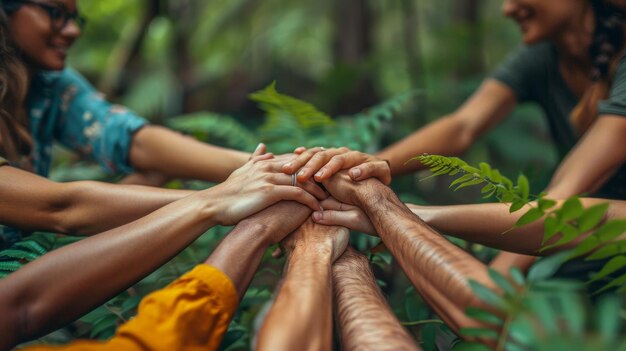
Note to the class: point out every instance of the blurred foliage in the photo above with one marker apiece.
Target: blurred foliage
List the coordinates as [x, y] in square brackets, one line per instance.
[191, 65]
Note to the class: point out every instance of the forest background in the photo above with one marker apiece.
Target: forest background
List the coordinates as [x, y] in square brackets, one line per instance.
[192, 65]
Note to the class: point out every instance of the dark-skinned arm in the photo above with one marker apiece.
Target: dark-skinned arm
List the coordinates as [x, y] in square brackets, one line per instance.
[364, 317]
[301, 316]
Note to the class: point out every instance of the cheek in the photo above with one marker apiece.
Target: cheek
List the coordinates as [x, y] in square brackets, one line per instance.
[30, 36]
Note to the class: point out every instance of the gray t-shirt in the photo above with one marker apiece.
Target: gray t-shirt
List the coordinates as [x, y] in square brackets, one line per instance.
[532, 72]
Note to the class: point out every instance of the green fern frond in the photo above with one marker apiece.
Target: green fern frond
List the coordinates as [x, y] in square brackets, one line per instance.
[10, 266]
[30, 246]
[276, 104]
[20, 254]
[216, 129]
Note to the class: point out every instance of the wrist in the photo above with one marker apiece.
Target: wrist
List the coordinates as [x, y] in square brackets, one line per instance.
[369, 192]
[312, 252]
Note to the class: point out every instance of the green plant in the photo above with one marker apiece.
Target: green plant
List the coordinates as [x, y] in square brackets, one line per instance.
[539, 312]
[566, 222]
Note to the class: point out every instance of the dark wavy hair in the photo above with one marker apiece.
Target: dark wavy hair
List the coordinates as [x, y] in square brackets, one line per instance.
[15, 139]
[606, 51]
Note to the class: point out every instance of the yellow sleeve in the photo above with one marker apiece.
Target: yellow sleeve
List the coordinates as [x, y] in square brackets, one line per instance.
[192, 313]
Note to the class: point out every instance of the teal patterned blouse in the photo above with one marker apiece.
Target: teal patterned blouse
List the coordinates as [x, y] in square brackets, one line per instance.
[64, 107]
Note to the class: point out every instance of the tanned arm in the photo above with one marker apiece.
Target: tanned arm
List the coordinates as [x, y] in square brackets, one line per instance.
[301, 316]
[439, 270]
[160, 150]
[364, 317]
[31, 202]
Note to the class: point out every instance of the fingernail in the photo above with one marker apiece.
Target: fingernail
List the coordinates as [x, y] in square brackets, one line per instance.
[288, 165]
[301, 173]
[258, 147]
[319, 174]
[318, 216]
[355, 173]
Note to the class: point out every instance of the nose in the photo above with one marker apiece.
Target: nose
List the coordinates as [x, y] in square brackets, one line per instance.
[508, 8]
[71, 30]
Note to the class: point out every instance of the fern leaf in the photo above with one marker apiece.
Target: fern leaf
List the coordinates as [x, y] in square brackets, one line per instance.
[19, 254]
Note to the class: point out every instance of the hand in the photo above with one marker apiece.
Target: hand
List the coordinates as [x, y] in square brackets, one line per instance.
[311, 236]
[279, 220]
[347, 191]
[255, 186]
[349, 216]
[323, 163]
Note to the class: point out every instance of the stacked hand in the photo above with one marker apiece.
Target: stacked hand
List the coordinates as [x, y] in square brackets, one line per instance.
[322, 163]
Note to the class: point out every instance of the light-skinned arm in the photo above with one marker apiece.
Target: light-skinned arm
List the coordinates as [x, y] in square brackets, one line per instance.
[449, 135]
[62, 285]
[301, 316]
[157, 149]
[31, 202]
[365, 320]
[594, 159]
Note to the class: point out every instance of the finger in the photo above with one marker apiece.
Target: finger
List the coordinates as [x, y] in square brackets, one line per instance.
[260, 150]
[314, 190]
[318, 161]
[340, 162]
[263, 157]
[348, 219]
[278, 253]
[377, 169]
[288, 192]
[299, 150]
[301, 160]
[332, 204]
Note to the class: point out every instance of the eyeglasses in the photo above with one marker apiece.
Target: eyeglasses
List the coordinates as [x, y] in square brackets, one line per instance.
[59, 15]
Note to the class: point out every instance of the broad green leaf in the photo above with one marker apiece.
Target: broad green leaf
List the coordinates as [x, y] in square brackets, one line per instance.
[608, 250]
[482, 315]
[618, 282]
[516, 205]
[517, 276]
[523, 187]
[585, 246]
[545, 204]
[551, 226]
[572, 208]
[547, 266]
[592, 216]
[611, 230]
[541, 307]
[569, 234]
[532, 215]
[501, 281]
[486, 295]
[608, 317]
[614, 264]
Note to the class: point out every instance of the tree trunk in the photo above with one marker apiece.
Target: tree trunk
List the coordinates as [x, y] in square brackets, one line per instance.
[352, 51]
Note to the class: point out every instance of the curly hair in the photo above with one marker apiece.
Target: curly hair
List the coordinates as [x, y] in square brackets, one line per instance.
[15, 139]
[606, 51]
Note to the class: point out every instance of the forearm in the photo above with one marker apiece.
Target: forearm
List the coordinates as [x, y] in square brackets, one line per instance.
[428, 140]
[66, 283]
[182, 156]
[301, 316]
[439, 270]
[240, 253]
[31, 202]
[365, 320]
[94, 207]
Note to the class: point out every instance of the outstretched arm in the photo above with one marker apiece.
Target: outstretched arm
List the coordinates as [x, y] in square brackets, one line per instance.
[194, 311]
[365, 319]
[455, 133]
[31, 202]
[160, 150]
[301, 316]
[439, 270]
[42, 295]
